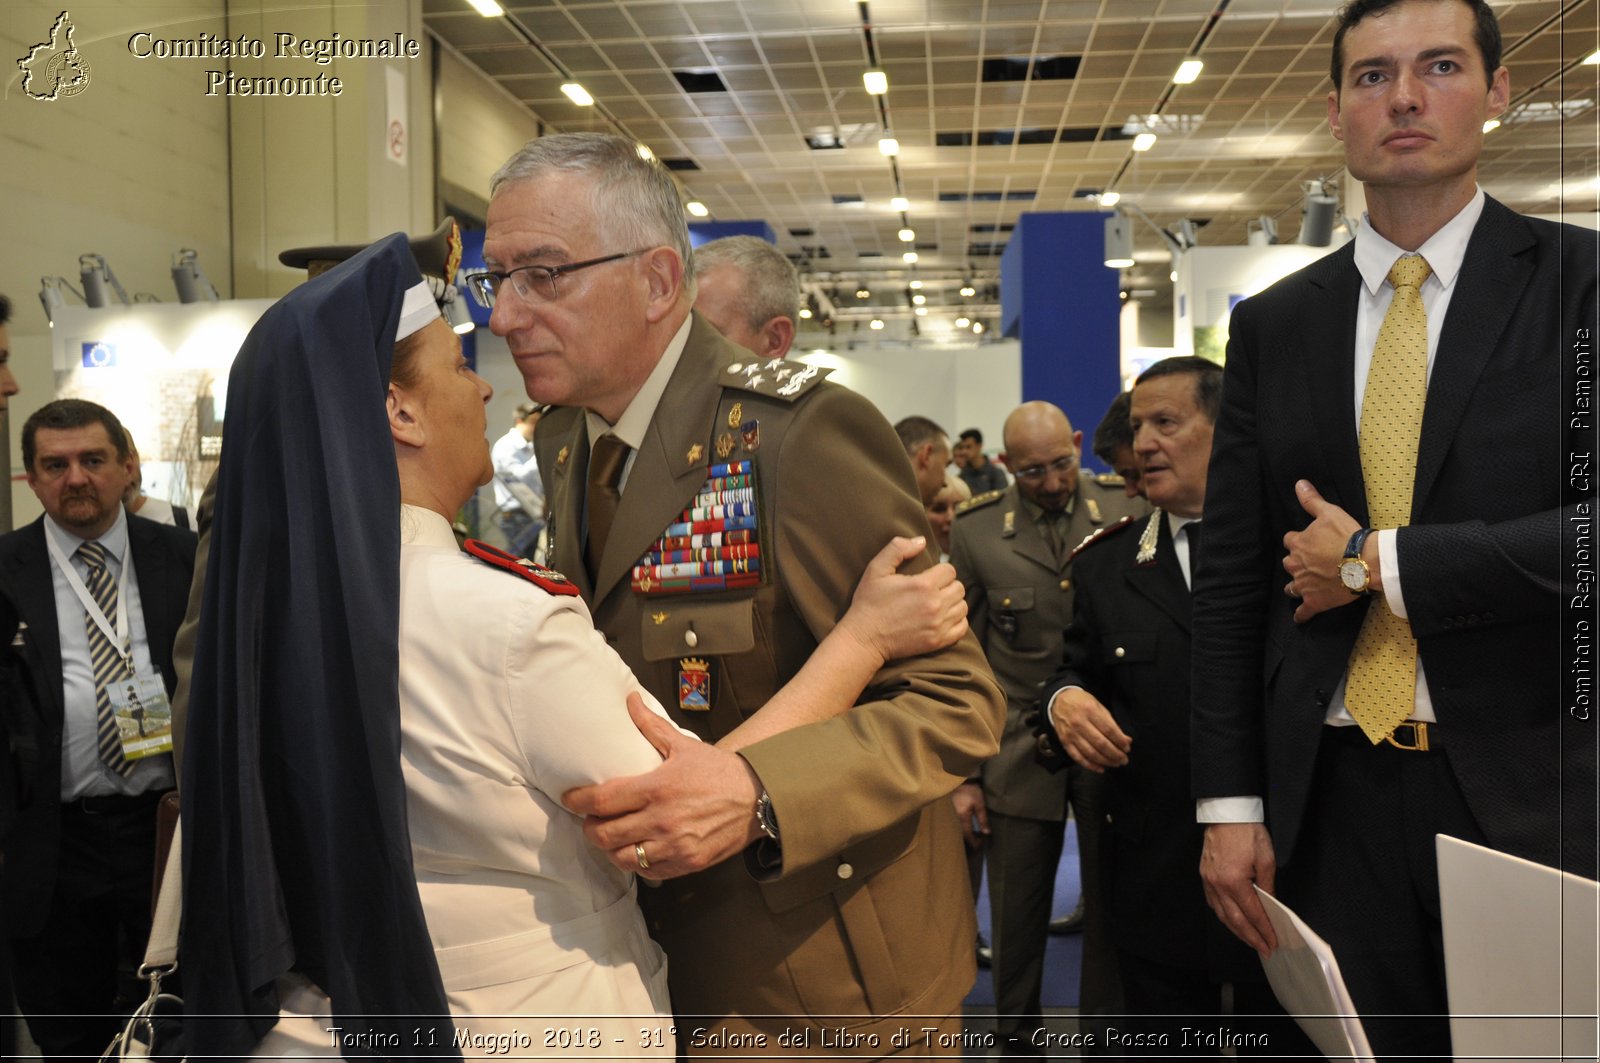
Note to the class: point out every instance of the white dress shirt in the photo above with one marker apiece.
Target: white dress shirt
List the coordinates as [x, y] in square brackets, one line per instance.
[82, 771]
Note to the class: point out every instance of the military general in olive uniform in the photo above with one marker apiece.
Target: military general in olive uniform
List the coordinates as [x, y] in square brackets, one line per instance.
[716, 512]
[1012, 548]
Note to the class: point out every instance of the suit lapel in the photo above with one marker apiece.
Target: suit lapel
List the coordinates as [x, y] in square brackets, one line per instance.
[151, 570]
[1493, 277]
[1329, 359]
[663, 480]
[567, 502]
[1161, 582]
[29, 571]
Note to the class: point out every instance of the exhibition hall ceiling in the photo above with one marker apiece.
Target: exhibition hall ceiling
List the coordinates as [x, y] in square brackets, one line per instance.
[1000, 107]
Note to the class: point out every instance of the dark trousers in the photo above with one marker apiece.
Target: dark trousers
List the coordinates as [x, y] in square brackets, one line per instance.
[1022, 860]
[1179, 1013]
[1365, 878]
[76, 977]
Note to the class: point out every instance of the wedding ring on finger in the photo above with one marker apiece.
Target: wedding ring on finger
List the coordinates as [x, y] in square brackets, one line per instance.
[638, 854]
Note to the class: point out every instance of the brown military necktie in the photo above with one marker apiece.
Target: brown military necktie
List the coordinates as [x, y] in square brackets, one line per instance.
[1381, 690]
[606, 460]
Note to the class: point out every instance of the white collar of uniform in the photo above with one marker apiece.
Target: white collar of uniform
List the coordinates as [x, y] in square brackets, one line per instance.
[1175, 523]
[115, 540]
[424, 527]
[1445, 250]
[631, 426]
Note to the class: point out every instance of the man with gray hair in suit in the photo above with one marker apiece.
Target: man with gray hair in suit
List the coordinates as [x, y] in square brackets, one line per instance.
[750, 291]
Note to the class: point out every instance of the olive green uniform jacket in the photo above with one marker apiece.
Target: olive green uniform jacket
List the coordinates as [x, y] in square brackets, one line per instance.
[1019, 602]
[870, 913]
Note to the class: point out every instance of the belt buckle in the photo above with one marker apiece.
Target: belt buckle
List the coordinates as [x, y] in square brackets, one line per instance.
[1419, 737]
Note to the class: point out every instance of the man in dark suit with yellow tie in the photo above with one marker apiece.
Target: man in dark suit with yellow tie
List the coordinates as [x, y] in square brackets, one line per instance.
[1395, 435]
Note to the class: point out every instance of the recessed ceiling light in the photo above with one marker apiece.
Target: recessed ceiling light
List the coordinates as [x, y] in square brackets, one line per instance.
[487, 8]
[1188, 71]
[1144, 142]
[909, 257]
[805, 313]
[862, 293]
[1110, 199]
[963, 322]
[977, 328]
[921, 311]
[877, 323]
[907, 235]
[918, 299]
[697, 208]
[889, 146]
[968, 291]
[577, 94]
[915, 286]
[1491, 125]
[1592, 60]
[876, 82]
[899, 203]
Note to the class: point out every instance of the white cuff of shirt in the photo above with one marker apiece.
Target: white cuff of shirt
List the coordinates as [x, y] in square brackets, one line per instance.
[1050, 706]
[1230, 810]
[1389, 569]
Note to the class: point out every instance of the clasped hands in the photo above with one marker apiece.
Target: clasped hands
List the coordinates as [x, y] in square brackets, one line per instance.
[698, 808]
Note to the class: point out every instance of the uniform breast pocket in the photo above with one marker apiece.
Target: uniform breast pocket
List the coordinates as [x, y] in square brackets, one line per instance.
[1011, 616]
[698, 629]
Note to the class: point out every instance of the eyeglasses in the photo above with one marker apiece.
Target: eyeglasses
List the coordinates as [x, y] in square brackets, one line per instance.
[1035, 473]
[533, 283]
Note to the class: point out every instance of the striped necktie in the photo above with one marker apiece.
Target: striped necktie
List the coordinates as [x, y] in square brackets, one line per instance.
[1381, 690]
[107, 661]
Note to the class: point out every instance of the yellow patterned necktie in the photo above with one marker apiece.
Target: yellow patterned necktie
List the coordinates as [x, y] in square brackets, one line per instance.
[1381, 690]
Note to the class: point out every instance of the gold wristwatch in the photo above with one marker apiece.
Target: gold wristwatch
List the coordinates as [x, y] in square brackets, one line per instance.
[1353, 571]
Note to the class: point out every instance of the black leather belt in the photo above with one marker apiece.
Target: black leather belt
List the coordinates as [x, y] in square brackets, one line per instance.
[110, 804]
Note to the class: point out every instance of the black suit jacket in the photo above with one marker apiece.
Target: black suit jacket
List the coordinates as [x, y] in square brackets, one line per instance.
[1128, 645]
[1488, 563]
[163, 558]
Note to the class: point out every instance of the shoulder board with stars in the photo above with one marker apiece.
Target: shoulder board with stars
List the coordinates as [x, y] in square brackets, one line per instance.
[1109, 479]
[1102, 534]
[978, 501]
[547, 579]
[778, 378]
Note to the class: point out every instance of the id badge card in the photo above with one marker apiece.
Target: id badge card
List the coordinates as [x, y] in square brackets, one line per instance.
[144, 716]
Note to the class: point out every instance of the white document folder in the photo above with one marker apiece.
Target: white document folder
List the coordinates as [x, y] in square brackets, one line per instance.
[1305, 978]
[1519, 955]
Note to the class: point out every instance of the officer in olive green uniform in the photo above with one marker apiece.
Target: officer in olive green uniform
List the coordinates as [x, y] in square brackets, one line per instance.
[870, 916]
[1012, 549]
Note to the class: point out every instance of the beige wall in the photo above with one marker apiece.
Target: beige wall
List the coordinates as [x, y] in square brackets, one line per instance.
[310, 171]
[143, 162]
[480, 127]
